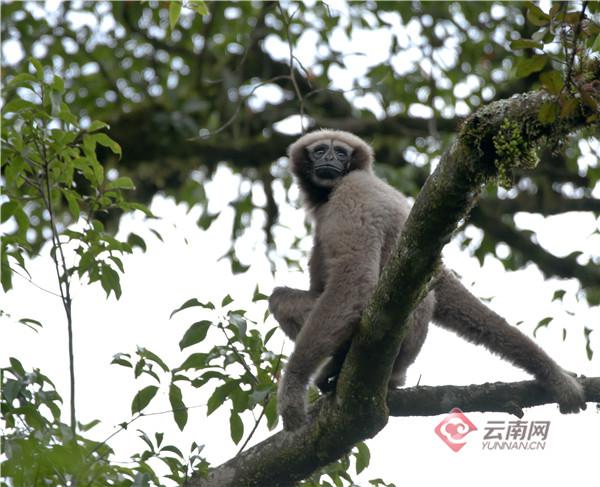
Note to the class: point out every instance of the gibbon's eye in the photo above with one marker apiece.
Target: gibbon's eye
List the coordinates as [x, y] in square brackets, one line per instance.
[341, 153]
[319, 151]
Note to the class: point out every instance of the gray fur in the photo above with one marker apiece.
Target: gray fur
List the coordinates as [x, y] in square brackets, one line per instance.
[357, 221]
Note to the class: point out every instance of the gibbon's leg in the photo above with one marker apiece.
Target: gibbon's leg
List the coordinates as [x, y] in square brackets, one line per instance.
[329, 326]
[410, 348]
[291, 307]
[458, 310]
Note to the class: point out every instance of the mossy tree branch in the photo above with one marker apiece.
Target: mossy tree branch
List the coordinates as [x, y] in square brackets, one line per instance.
[359, 408]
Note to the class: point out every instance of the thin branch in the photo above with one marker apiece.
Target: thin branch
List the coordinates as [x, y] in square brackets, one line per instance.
[576, 33]
[292, 74]
[237, 354]
[238, 108]
[13, 270]
[63, 278]
[123, 426]
[549, 264]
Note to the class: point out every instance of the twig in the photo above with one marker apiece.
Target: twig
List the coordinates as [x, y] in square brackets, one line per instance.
[235, 351]
[265, 403]
[13, 270]
[291, 63]
[239, 107]
[63, 280]
[574, 51]
[125, 425]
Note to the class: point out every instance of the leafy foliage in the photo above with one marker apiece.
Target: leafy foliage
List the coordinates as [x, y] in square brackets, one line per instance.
[50, 166]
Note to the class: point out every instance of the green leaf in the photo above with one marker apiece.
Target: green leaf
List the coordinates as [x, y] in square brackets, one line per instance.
[106, 141]
[194, 334]
[147, 354]
[271, 412]
[552, 81]
[121, 183]
[206, 220]
[588, 347]
[258, 296]
[73, 204]
[174, 13]
[537, 17]
[5, 272]
[158, 235]
[8, 209]
[97, 125]
[269, 334]
[363, 457]
[218, 397]
[88, 426]
[542, 323]
[180, 413]
[548, 112]
[136, 241]
[526, 44]
[66, 115]
[236, 427]
[194, 361]
[21, 79]
[596, 44]
[109, 278]
[17, 105]
[118, 360]
[226, 300]
[568, 107]
[239, 323]
[39, 69]
[58, 84]
[143, 398]
[198, 6]
[29, 322]
[17, 366]
[559, 294]
[526, 66]
[191, 303]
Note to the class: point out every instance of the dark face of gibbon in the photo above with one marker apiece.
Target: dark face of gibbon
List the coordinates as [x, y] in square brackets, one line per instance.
[320, 159]
[330, 160]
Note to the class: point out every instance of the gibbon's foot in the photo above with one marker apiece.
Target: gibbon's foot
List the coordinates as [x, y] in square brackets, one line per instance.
[397, 381]
[291, 403]
[293, 414]
[569, 393]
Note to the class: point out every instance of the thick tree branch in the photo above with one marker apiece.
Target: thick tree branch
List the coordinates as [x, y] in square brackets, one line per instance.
[549, 264]
[359, 408]
[489, 397]
[542, 203]
[395, 125]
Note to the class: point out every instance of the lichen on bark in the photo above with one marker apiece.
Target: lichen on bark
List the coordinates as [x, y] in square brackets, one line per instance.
[512, 151]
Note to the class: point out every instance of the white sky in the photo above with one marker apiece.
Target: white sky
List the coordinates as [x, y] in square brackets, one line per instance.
[169, 273]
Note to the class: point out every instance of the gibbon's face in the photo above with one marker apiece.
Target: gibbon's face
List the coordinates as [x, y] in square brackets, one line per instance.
[330, 160]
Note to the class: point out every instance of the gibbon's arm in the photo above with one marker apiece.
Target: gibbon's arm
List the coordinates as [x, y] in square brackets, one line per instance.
[352, 274]
[291, 307]
[458, 310]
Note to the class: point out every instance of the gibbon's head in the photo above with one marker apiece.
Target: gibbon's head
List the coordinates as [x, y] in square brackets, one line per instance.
[322, 158]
